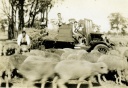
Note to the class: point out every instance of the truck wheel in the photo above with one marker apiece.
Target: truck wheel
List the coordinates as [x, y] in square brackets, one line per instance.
[101, 48]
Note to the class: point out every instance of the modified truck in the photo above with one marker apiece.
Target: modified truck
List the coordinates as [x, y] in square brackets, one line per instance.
[64, 38]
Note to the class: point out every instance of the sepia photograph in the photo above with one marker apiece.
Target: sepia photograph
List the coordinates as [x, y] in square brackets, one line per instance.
[63, 43]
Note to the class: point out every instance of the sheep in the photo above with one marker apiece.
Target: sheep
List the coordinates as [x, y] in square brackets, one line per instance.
[37, 52]
[126, 54]
[45, 54]
[37, 68]
[93, 56]
[114, 63]
[122, 50]
[76, 55]
[72, 54]
[65, 55]
[56, 51]
[24, 48]
[29, 54]
[1, 48]
[52, 56]
[76, 69]
[4, 67]
[114, 52]
[68, 50]
[16, 60]
[9, 47]
[125, 75]
[5, 48]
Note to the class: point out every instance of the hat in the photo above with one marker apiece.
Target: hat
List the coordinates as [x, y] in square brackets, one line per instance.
[23, 31]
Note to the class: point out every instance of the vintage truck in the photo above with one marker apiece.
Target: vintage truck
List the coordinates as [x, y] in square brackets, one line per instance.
[64, 38]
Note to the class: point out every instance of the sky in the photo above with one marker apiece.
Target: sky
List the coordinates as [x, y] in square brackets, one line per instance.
[96, 10]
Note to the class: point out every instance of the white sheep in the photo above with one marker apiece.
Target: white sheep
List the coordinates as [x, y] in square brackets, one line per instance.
[1, 48]
[24, 48]
[114, 52]
[126, 53]
[65, 55]
[76, 69]
[122, 50]
[16, 60]
[72, 54]
[93, 56]
[76, 55]
[56, 51]
[115, 63]
[37, 68]
[125, 75]
[9, 47]
[37, 52]
[68, 50]
[34, 53]
[4, 67]
[52, 56]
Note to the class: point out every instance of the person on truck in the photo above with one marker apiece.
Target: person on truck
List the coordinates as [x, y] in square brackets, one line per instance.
[60, 19]
[76, 32]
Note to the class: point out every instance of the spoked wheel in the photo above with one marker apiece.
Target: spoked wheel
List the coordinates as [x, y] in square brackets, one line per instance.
[102, 48]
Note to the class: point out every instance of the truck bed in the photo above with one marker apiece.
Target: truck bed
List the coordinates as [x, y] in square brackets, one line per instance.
[61, 39]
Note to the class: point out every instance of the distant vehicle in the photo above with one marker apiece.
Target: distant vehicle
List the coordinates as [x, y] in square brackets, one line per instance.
[64, 39]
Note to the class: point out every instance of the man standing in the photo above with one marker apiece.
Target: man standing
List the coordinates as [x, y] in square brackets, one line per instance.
[60, 19]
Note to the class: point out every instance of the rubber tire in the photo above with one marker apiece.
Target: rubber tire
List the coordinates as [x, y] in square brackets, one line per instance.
[101, 48]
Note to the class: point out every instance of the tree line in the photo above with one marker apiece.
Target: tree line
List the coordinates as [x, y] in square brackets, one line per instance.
[19, 9]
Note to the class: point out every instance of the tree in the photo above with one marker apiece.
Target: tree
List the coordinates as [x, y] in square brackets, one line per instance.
[118, 22]
[38, 6]
[18, 8]
[21, 14]
[10, 11]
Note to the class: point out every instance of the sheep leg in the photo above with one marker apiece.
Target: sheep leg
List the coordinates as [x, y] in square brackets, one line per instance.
[8, 73]
[99, 79]
[54, 82]
[116, 79]
[43, 81]
[7, 83]
[80, 81]
[0, 81]
[29, 84]
[104, 79]
[8, 77]
[90, 82]
[22, 81]
[119, 73]
[61, 83]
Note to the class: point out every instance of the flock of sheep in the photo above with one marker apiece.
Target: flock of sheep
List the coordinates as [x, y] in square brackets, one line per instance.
[63, 65]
